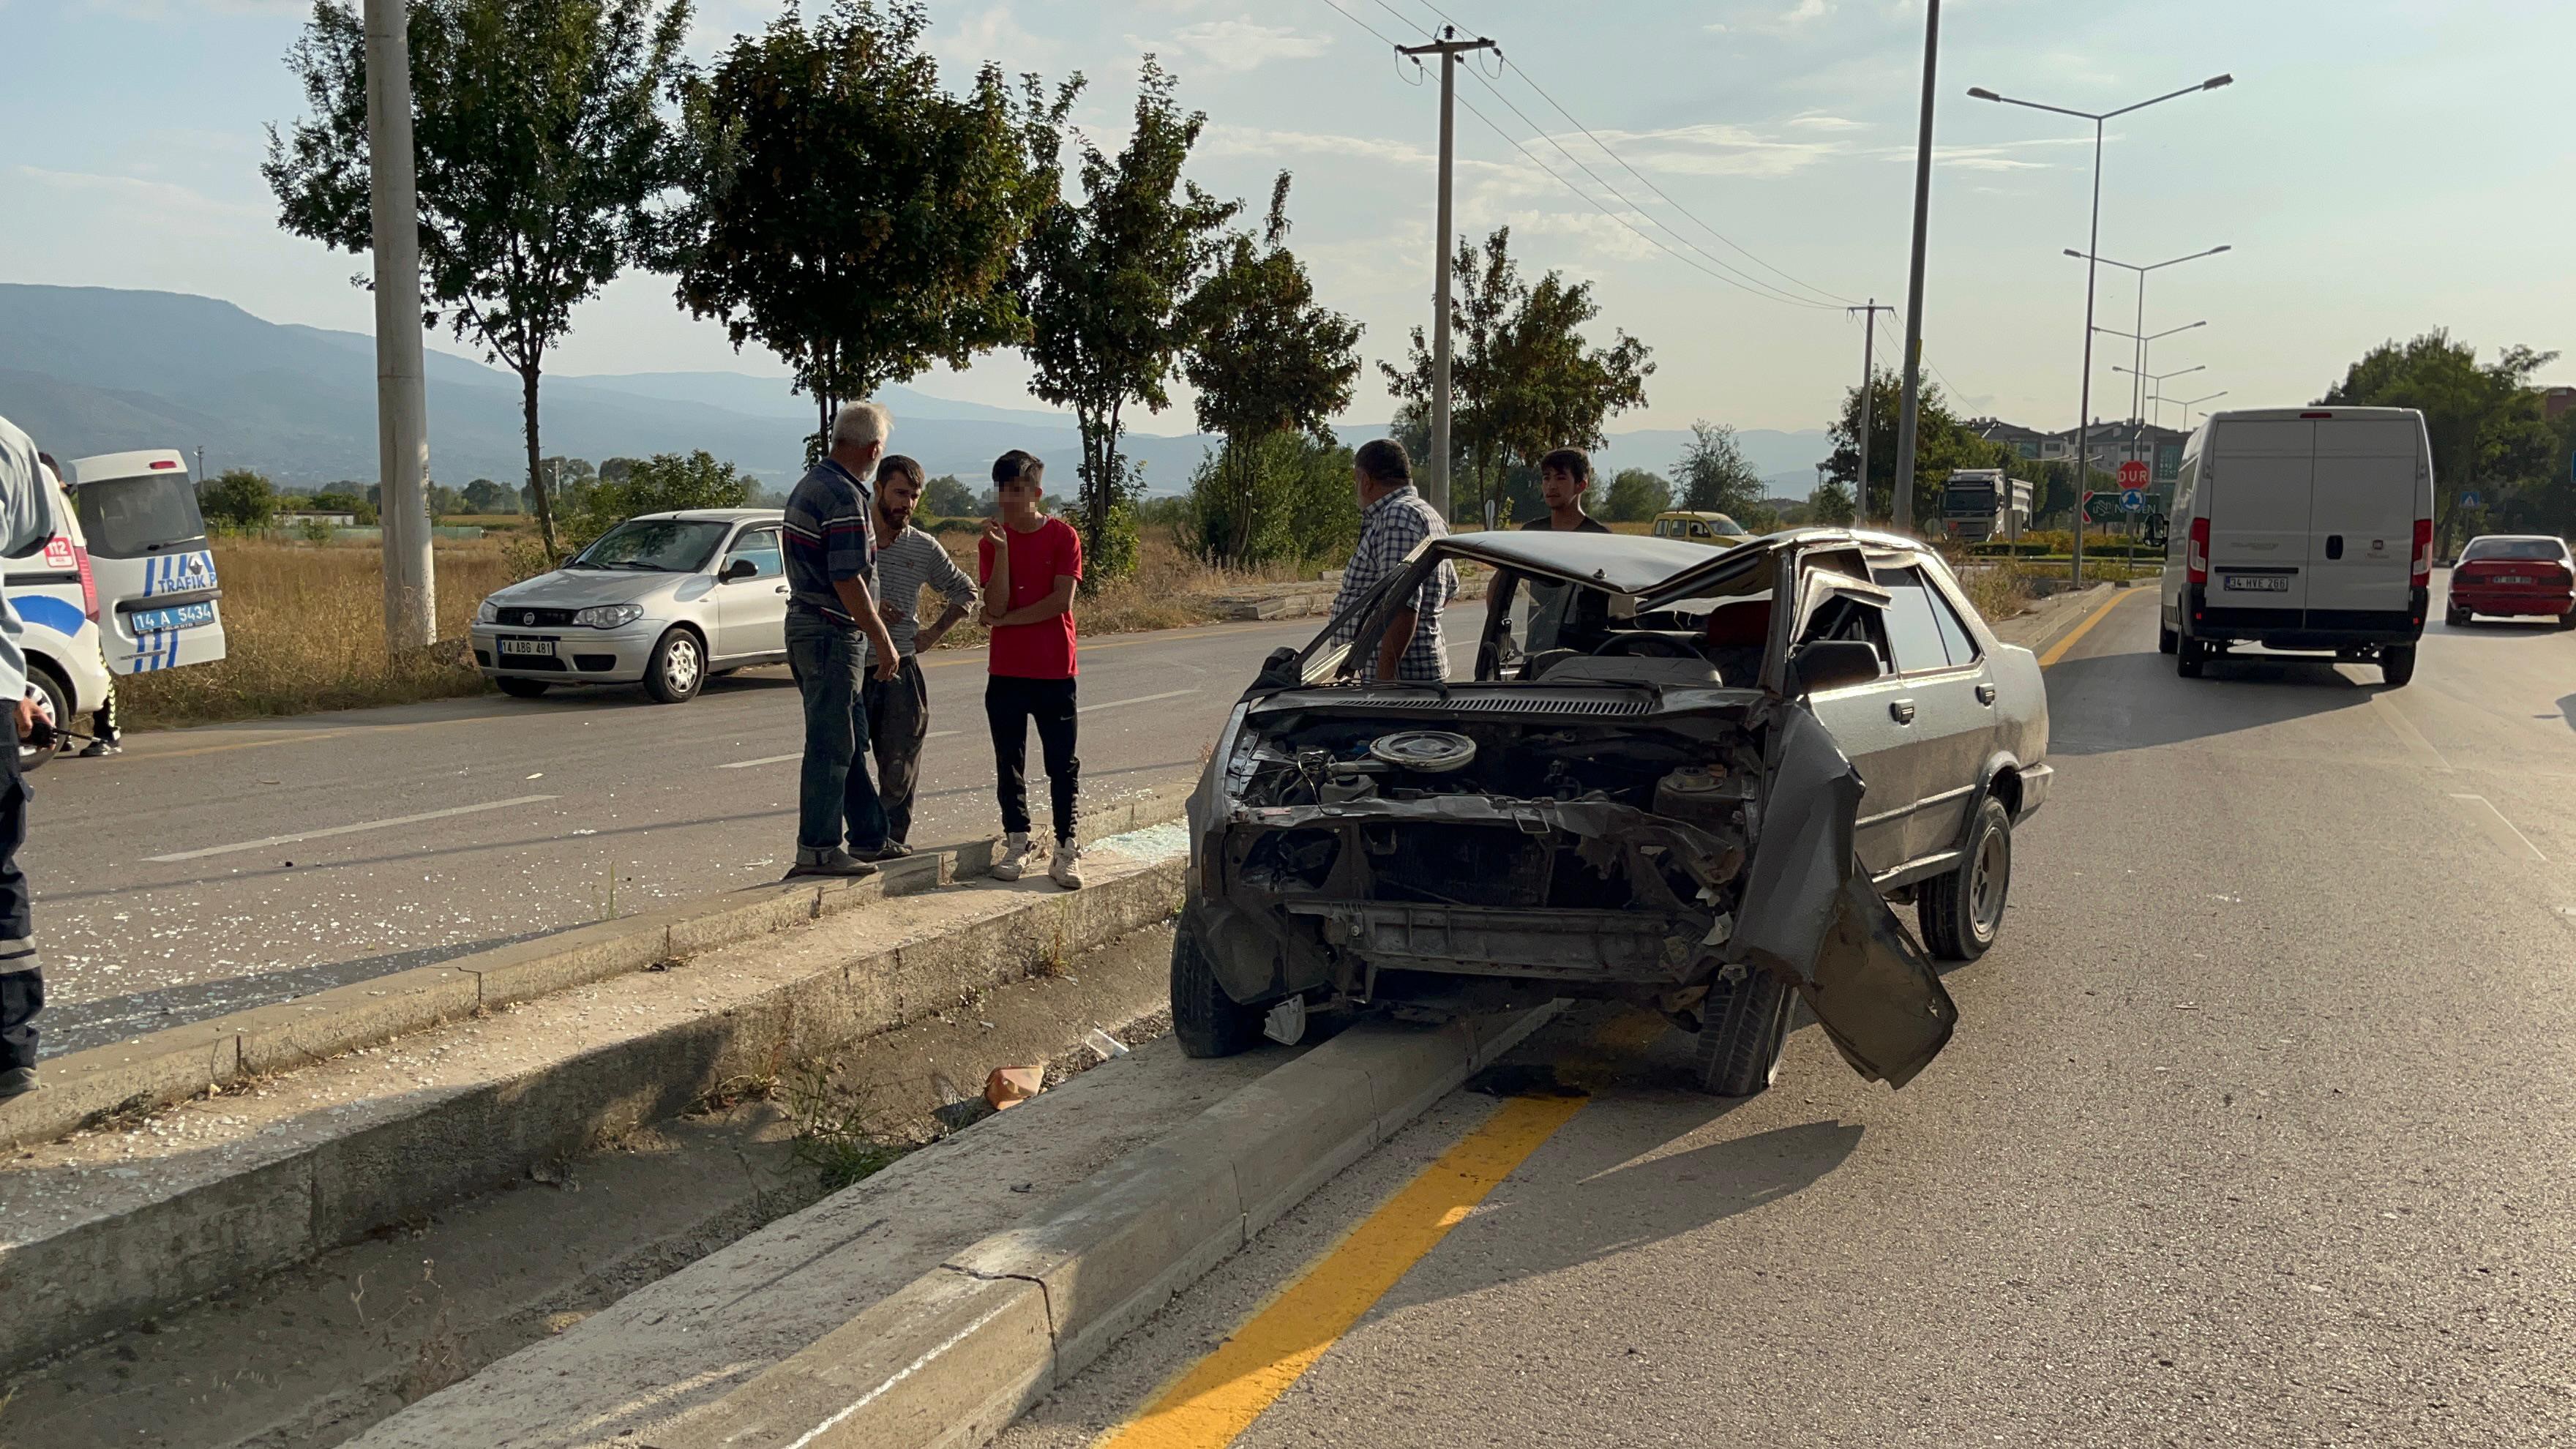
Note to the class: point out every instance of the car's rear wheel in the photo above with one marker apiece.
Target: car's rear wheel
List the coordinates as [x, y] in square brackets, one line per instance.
[54, 704]
[678, 668]
[1743, 1028]
[2189, 655]
[2166, 640]
[1962, 912]
[2455, 616]
[2397, 664]
[521, 688]
[2567, 620]
[1208, 1022]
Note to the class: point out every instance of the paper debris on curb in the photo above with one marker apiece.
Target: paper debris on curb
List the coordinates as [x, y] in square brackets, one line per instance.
[1010, 1086]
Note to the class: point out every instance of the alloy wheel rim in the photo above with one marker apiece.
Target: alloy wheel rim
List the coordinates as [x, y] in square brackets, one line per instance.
[1986, 889]
[682, 669]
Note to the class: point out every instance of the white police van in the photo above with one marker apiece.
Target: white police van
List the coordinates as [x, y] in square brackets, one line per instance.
[154, 567]
[56, 597]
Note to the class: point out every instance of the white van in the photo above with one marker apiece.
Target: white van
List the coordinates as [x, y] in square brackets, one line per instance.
[51, 588]
[2301, 528]
[155, 570]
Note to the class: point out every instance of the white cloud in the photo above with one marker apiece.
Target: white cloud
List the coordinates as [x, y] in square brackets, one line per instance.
[1819, 121]
[995, 35]
[1223, 140]
[1236, 45]
[1802, 12]
[161, 198]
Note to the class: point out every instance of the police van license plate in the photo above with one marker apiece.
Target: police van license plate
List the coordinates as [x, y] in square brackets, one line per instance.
[541, 648]
[185, 616]
[2258, 584]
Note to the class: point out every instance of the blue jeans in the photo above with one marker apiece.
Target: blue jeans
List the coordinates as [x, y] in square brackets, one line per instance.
[834, 791]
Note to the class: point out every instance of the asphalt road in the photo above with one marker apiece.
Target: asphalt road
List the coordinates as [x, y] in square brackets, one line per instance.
[2255, 1131]
[214, 869]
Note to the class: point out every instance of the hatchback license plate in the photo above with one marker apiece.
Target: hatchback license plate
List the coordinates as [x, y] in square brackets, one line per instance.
[2259, 585]
[183, 616]
[543, 648]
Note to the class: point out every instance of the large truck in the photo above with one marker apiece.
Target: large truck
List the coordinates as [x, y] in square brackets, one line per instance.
[1976, 503]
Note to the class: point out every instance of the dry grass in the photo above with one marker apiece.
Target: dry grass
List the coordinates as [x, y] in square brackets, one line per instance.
[1169, 590]
[304, 629]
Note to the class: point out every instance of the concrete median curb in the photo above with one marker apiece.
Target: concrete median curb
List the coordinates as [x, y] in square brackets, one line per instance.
[86, 1088]
[954, 1356]
[217, 1214]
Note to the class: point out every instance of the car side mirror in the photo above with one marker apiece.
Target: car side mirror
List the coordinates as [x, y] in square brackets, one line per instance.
[1280, 671]
[1824, 664]
[741, 568]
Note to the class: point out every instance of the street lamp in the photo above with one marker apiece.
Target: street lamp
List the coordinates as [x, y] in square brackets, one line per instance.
[2084, 406]
[2144, 342]
[2187, 404]
[2158, 378]
[2135, 397]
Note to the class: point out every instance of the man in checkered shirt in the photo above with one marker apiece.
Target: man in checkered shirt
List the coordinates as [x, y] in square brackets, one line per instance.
[1393, 520]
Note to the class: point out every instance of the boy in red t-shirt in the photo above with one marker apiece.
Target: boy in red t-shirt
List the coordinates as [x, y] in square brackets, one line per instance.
[1030, 565]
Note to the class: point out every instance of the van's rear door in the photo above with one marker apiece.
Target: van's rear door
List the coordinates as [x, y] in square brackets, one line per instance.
[2361, 520]
[149, 554]
[2257, 476]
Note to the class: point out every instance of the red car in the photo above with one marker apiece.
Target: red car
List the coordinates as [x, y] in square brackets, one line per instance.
[2514, 573]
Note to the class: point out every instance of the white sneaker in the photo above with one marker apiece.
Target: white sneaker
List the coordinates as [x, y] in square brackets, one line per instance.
[1014, 856]
[1064, 867]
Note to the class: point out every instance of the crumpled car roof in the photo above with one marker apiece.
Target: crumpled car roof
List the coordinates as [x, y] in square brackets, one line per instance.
[1629, 563]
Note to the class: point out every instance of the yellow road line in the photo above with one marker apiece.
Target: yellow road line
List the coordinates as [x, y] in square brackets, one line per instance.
[1223, 1393]
[2058, 650]
[1218, 1397]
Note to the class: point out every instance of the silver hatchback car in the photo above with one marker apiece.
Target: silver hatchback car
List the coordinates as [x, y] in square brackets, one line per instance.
[663, 600]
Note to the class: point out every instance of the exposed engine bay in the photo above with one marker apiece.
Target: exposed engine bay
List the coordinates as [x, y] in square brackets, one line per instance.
[1605, 858]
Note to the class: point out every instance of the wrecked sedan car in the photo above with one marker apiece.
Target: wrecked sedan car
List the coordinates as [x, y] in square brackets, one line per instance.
[1688, 780]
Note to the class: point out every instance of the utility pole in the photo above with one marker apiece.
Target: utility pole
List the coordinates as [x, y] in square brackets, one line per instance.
[1447, 47]
[1904, 506]
[1868, 395]
[402, 412]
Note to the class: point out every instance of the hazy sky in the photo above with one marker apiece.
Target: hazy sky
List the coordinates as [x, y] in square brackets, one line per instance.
[2378, 168]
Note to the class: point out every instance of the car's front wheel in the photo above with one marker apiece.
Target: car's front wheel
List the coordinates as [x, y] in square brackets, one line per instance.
[521, 688]
[1962, 912]
[1208, 1022]
[1743, 1028]
[678, 667]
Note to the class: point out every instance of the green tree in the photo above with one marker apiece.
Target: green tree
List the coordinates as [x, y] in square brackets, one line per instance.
[1831, 503]
[347, 498]
[2485, 422]
[1941, 444]
[1636, 495]
[443, 500]
[239, 498]
[659, 484]
[1104, 281]
[947, 496]
[849, 214]
[1267, 360]
[1298, 488]
[1522, 377]
[1715, 476]
[539, 140]
[614, 470]
[485, 496]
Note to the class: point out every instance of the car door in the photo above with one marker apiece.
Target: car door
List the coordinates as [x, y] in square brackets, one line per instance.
[2361, 533]
[1871, 721]
[751, 604]
[1951, 692]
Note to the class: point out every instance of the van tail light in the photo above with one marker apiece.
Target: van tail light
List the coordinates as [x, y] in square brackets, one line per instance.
[2196, 559]
[89, 583]
[2422, 573]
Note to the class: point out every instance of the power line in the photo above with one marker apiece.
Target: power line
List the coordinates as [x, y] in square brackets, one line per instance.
[1606, 150]
[1371, 29]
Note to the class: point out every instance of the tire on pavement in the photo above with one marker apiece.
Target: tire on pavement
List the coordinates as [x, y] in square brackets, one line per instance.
[677, 669]
[1743, 1028]
[2166, 640]
[2189, 655]
[521, 688]
[2456, 617]
[1962, 912]
[2397, 664]
[1208, 1022]
[54, 702]
[2567, 620]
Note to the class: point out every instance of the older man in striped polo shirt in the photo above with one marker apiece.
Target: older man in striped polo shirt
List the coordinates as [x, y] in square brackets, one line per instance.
[908, 560]
[830, 605]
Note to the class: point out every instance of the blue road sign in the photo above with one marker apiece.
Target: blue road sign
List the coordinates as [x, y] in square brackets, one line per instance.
[2132, 500]
[2469, 500]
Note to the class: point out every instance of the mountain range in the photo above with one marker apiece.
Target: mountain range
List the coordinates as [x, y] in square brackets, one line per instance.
[96, 370]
